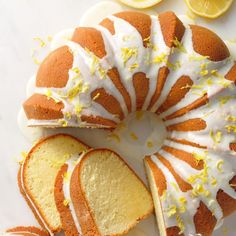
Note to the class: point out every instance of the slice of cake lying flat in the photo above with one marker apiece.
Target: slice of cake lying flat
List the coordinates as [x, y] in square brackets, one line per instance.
[100, 195]
[37, 176]
[25, 231]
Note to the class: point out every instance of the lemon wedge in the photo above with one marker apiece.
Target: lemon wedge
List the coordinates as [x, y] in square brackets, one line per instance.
[209, 8]
[140, 4]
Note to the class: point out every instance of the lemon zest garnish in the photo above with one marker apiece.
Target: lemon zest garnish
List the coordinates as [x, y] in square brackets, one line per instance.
[160, 59]
[114, 136]
[180, 224]
[214, 72]
[197, 58]
[213, 181]
[231, 118]
[23, 157]
[133, 67]
[204, 72]
[183, 200]
[171, 210]
[133, 136]
[41, 42]
[96, 96]
[68, 115]
[207, 193]
[102, 72]
[66, 202]
[179, 45]
[149, 144]
[78, 109]
[48, 94]
[219, 165]
[231, 128]
[63, 122]
[127, 53]
[76, 70]
[216, 137]
[198, 157]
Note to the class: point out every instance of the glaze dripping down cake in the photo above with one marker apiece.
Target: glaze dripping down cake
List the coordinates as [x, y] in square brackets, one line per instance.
[185, 74]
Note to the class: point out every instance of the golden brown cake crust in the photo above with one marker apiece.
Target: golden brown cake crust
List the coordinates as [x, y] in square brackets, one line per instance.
[183, 185]
[40, 107]
[141, 87]
[108, 101]
[67, 220]
[227, 203]
[173, 231]
[108, 24]
[115, 77]
[27, 231]
[78, 197]
[158, 175]
[161, 78]
[195, 124]
[207, 43]
[141, 21]
[231, 75]
[204, 220]
[177, 92]
[196, 104]
[81, 206]
[53, 72]
[172, 28]
[91, 39]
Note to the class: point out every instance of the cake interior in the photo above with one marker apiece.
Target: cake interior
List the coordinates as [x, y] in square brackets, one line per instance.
[46, 158]
[117, 204]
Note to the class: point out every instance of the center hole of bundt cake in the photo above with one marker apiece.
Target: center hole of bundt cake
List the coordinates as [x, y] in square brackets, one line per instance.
[142, 130]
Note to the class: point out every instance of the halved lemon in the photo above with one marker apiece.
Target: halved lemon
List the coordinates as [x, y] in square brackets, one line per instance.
[209, 8]
[141, 4]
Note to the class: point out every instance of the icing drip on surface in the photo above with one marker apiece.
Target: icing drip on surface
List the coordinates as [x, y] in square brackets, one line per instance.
[66, 189]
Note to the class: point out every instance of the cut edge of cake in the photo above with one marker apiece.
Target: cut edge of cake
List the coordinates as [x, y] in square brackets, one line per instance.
[42, 209]
[101, 218]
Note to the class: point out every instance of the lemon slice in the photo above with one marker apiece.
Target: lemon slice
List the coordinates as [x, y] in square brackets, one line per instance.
[141, 4]
[209, 8]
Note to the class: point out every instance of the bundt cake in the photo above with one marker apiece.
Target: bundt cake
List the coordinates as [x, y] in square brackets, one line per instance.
[26, 231]
[37, 176]
[100, 195]
[184, 74]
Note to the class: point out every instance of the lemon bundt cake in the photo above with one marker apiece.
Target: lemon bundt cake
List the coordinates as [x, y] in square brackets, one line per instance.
[37, 176]
[26, 231]
[100, 195]
[184, 74]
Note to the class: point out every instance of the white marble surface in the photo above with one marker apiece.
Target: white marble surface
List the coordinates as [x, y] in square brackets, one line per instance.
[20, 21]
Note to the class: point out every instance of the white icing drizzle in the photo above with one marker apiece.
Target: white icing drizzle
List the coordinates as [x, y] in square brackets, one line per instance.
[71, 163]
[32, 203]
[208, 78]
[222, 175]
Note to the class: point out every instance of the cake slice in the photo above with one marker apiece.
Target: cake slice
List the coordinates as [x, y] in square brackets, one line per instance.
[37, 176]
[26, 231]
[100, 195]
